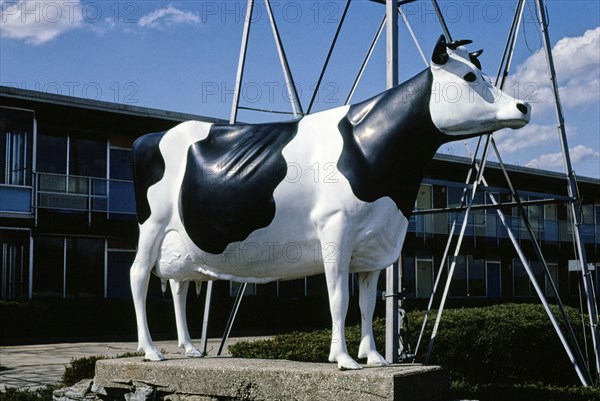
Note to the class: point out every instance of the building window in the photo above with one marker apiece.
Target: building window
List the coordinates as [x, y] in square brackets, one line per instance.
[469, 279]
[424, 276]
[121, 164]
[522, 283]
[52, 154]
[48, 266]
[84, 267]
[118, 263]
[14, 268]
[16, 133]
[87, 157]
[423, 223]
[71, 155]
[68, 267]
[494, 279]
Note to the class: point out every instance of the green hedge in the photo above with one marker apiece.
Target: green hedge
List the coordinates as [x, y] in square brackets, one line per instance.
[523, 392]
[503, 344]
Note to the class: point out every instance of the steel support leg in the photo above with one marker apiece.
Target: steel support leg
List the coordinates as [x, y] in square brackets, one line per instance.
[392, 274]
[575, 203]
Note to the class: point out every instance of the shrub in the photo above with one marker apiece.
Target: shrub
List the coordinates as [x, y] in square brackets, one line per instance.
[528, 392]
[79, 369]
[13, 394]
[503, 344]
[84, 368]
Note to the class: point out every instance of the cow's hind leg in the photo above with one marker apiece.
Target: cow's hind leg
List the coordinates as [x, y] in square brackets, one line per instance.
[148, 249]
[179, 290]
[367, 282]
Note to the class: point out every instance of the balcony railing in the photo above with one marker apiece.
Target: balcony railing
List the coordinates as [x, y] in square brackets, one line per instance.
[83, 194]
[489, 225]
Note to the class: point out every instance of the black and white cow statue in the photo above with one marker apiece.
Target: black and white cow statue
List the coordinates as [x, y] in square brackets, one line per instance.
[329, 193]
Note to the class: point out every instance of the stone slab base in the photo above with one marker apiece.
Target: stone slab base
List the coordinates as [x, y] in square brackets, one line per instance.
[218, 379]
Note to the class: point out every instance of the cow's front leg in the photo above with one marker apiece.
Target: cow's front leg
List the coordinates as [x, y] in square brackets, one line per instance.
[336, 259]
[179, 290]
[367, 282]
[139, 276]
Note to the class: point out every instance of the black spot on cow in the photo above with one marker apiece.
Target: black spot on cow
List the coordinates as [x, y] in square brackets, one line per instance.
[230, 176]
[388, 142]
[148, 169]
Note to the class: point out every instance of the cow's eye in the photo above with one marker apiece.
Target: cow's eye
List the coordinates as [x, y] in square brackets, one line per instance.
[470, 77]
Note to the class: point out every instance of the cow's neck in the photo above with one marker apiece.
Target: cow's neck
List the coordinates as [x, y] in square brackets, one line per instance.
[388, 142]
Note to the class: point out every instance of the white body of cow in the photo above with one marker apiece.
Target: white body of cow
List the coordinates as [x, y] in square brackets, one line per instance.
[319, 226]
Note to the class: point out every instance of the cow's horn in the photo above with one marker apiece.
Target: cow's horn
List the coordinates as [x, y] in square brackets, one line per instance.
[440, 53]
[474, 58]
[454, 44]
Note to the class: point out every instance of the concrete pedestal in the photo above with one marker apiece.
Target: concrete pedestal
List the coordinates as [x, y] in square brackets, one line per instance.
[217, 379]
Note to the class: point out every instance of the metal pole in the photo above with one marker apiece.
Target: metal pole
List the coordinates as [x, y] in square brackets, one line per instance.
[204, 338]
[335, 37]
[588, 285]
[391, 288]
[289, 81]
[442, 21]
[241, 62]
[391, 43]
[232, 315]
[366, 60]
[413, 36]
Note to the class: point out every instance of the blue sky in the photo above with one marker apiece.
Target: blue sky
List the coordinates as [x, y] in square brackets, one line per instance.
[182, 56]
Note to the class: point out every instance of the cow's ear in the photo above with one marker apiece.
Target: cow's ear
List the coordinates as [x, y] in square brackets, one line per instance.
[440, 53]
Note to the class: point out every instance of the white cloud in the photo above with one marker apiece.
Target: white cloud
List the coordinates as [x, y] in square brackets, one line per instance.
[530, 136]
[578, 154]
[577, 62]
[168, 16]
[36, 22]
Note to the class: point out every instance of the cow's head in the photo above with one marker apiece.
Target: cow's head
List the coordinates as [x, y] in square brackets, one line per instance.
[463, 100]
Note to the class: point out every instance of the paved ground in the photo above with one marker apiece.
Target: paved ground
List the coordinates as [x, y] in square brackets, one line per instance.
[34, 366]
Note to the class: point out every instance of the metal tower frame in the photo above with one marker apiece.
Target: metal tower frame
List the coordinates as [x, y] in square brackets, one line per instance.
[476, 171]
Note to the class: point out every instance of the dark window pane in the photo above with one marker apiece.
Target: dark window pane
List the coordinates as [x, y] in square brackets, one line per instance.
[408, 276]
[85, 267]
[459, 280]
[521, 279]
[477, 277]
[52, 154]
[48, 266]
[87, 157]
[121, 167]
[118, 265]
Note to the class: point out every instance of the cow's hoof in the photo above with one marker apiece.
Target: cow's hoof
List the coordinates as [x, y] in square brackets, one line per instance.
[193, 353]
[347, 363]
[154, 355]
[374, 359]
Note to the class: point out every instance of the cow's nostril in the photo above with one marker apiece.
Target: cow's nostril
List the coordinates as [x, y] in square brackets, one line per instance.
[522, 108]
